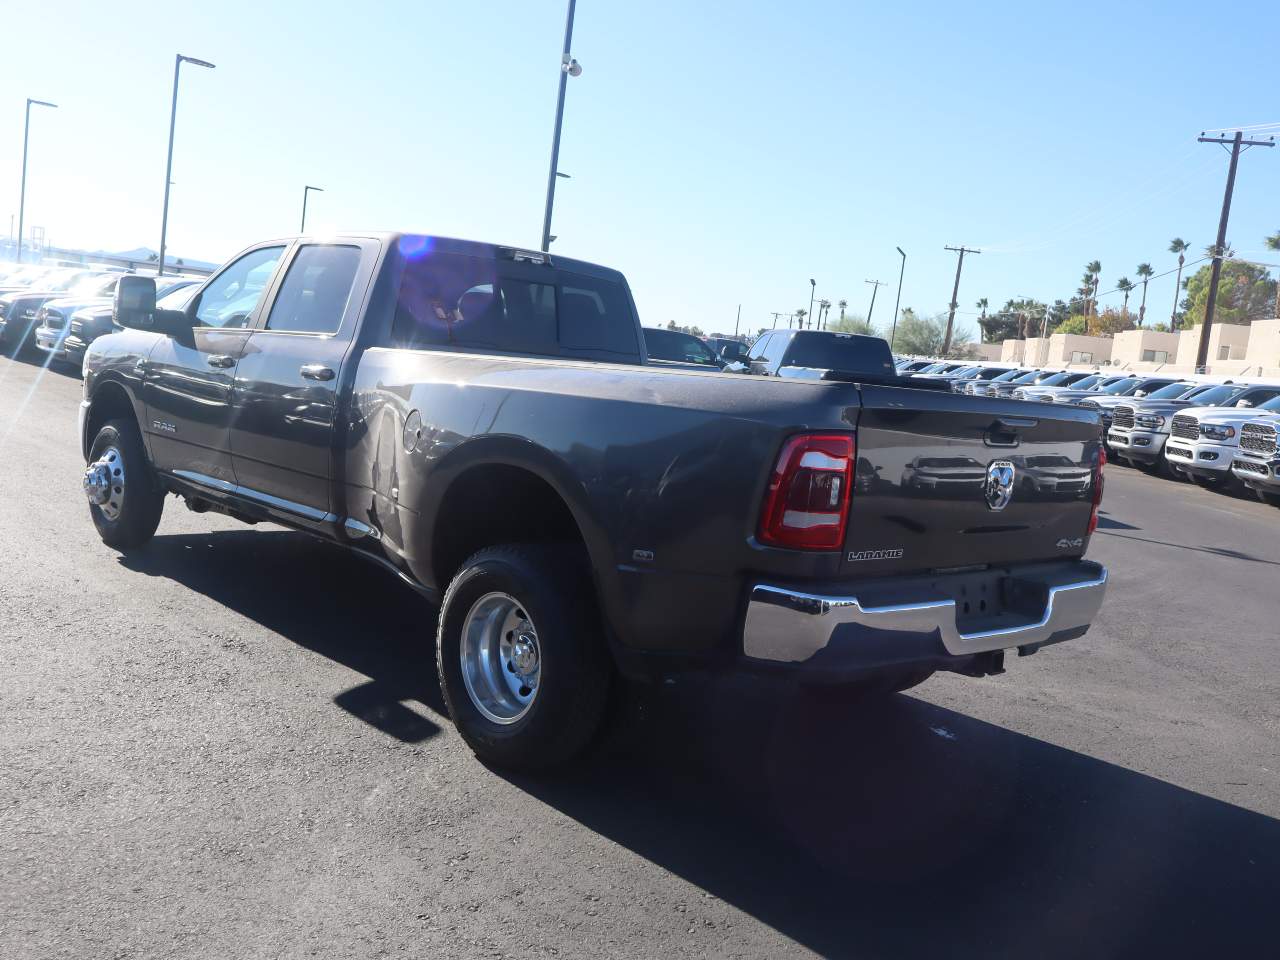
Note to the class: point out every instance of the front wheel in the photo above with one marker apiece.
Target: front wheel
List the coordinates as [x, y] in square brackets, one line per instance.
[521, 655]
[124, 501]
[1267, 497]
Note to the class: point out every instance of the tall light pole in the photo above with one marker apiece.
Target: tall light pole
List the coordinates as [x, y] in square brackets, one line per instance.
[568, 68]
[875, 288]
[178, 60]
[813, 287]
[22, 196]
[898, 302]
[305, 191]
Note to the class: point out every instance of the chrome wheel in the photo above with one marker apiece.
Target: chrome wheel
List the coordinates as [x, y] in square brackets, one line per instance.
[501, 658]
[104, 483]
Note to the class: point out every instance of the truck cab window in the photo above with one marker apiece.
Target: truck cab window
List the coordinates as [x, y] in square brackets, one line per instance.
[316, 289]
[230, 298]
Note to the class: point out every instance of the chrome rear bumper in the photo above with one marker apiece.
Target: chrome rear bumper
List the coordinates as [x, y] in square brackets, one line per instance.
[784, 625]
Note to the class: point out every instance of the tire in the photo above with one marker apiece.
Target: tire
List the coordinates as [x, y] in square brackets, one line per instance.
[129, 519]
[554, 603]
[1267, 497]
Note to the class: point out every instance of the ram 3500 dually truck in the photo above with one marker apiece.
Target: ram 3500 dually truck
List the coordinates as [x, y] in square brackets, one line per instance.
[482, 421]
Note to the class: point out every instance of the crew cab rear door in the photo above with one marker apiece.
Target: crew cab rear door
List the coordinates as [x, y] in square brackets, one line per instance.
[945, 480]
[289, 376]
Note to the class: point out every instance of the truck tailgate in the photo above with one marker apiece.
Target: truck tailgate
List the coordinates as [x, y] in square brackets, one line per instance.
[945, 480]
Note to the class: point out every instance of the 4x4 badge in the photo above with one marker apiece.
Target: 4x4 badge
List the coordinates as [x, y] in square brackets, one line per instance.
[999, 485]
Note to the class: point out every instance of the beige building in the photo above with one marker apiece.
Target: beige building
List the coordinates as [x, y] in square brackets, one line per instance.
[986, 351]
[1227, 341]
[1263, 350]
[1144, 346]
[1012, 351]
[1077, 349]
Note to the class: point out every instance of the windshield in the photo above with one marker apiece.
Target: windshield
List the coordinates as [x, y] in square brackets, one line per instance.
[1056, 379]
[92, 286]
[680, 347]
[1272, 405]
[177, 299]
[1027, 377]
[1088, 382]
[1008, 375]
[839, 351]
[1213, 396]
[1172, 392]
[1120, 386]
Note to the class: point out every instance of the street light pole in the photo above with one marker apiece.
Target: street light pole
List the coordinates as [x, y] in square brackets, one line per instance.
[305, 191]
[813, 287]
[22, 196]
[898, 302]
[875, 288]
[568, 68]
[168, 169]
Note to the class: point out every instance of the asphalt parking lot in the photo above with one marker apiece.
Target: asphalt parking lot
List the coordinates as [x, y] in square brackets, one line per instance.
[231, 745]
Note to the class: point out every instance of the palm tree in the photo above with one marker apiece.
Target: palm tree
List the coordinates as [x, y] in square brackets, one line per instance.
[842, 304]
[1180, 247]
[800, 315]
[1095, 270]
[1145, 272]
[982, 305]
[1273, 243]
[824, 306]
[1125, 286]
[1212, 251]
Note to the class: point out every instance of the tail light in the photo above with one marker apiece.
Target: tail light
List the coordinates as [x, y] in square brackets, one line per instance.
[807, 505]
[1097, 488]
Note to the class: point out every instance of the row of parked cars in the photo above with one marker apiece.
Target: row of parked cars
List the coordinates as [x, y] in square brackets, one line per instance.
[1212, 431]
[60, 310]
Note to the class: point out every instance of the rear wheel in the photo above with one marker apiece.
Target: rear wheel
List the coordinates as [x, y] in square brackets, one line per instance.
[1267, 497]
[124, 502]
[521, 656]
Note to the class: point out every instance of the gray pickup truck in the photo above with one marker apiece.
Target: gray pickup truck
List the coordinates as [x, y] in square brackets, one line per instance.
[483, 422]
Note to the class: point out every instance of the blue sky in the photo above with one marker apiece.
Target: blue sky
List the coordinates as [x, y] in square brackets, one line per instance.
[720, 153]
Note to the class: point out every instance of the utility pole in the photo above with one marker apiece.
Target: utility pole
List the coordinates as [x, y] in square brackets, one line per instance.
[875, 288]
[776, 315]
[955, 293]
[736, 322]
[1237, 143]
[813, 286]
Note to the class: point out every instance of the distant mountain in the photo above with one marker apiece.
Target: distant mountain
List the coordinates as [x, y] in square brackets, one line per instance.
[143, 254]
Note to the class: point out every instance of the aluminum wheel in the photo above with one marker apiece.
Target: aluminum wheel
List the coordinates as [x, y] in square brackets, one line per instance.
[501, 658]
[104, 483]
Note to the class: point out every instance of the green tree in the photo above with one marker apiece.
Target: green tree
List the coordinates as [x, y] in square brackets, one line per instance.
[1108, 323]
[1144, 273]
[1273, 243]
[1076, 324]
[852, 323]
[1245, 294]
[925, 335]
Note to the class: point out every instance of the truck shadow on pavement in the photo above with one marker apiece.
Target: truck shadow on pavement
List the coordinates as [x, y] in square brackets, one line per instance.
[877, 827]
[324, 599]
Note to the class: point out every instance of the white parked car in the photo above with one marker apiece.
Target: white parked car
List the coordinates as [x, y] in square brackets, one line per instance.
[1203, 441]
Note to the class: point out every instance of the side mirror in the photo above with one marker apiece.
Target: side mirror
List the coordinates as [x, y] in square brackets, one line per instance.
[135, 303]
[135, 307]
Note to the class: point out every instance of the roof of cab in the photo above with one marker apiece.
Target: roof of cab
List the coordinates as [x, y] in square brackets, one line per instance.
[415, 245]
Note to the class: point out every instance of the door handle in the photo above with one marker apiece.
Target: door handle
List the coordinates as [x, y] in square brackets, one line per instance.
[316, 371]
[221, 360]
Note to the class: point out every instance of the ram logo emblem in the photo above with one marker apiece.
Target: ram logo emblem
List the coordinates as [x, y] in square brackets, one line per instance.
[999, 485]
